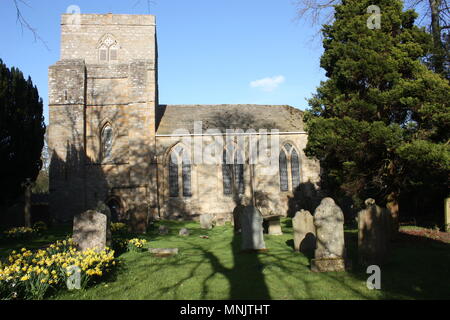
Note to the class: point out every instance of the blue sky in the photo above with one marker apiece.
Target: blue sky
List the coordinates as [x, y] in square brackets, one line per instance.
[210, 51]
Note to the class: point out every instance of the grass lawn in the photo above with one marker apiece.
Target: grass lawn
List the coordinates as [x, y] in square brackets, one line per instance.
[215, 268]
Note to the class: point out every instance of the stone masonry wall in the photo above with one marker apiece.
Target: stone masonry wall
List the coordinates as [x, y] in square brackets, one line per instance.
[87, 93]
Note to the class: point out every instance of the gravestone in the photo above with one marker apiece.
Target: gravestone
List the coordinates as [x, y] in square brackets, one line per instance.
[304, 232]
[251, 222]
[184, 232]
[103, 208]
[90, 230]
[374, 229]
[330, 245]
[237, 212]
[273, 225]
[163, 230]
[447, 215]
[206, 221]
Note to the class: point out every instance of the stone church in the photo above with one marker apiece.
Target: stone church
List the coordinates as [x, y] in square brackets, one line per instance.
[112, 141]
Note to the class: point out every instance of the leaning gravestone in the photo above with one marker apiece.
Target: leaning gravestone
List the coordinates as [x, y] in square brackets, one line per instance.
[206, 221]
[90, 230]
[373, 234]
[330, 249]
[237, 212]
[304, 232]
[252, 229]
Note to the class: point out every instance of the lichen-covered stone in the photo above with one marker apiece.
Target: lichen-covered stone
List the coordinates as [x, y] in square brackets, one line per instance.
[330, 245]
[90, 230]
[304, 232]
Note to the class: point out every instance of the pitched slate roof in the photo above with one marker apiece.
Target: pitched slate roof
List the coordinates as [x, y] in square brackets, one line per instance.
[237, 116]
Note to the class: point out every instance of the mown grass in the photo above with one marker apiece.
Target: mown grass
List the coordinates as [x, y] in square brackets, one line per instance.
[215, 268]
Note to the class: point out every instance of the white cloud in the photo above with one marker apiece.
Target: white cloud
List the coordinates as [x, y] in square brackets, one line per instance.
[268, 84]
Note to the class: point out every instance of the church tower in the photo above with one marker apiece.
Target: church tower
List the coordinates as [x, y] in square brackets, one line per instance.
[103, 96]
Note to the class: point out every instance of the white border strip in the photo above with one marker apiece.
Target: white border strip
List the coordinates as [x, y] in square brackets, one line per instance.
[229, 134]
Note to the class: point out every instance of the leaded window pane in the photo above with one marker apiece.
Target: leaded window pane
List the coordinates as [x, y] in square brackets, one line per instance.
[186, 172]
[288, 147]
[107, 142]
[103, 54]
[284, 184]
[113, 54]
[239, 174]
[227, 171]
[295, 170]
[173, 176]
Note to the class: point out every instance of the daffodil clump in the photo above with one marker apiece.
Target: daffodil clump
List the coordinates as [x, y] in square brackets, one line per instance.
[30, 275]
[136, 245]
[24, 233]
[20, 233]
[119, 227]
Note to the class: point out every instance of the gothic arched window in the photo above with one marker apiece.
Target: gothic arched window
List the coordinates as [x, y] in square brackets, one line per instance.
[108, 49]
[107, 142]
[179, 162]
[284, 180]
[289, 162]
[233, 172]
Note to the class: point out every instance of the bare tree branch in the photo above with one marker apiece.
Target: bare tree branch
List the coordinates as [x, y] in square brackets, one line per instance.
[24, 24]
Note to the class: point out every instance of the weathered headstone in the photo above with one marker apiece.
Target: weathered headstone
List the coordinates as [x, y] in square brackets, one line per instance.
[447, 215]
[374, 229]
[274, 225]
[252, 229]
[330, 247]
[90, 230]
[237, 212]
[163, 230]
[103, 208]
[304, 232]
[184, 232]
[206, 221]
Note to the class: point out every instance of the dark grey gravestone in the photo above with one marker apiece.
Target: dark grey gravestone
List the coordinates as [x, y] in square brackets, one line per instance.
[252, 229]
[373, 234]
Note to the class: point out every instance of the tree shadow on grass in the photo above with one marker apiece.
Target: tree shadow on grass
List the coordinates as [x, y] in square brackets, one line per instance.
[417, 268]
[246, 278]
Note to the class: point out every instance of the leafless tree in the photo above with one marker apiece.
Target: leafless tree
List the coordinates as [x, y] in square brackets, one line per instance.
[436, 13]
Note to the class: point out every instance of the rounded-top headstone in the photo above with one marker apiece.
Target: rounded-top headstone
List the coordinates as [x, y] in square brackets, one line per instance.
[329, 223]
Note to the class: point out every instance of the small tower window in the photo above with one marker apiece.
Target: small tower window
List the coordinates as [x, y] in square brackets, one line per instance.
[103, 55]
[106, 142]
[108, 49]
[113, 54]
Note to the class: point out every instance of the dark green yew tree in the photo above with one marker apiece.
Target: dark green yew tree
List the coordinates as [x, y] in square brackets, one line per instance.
[380, 124]
[22, 131]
